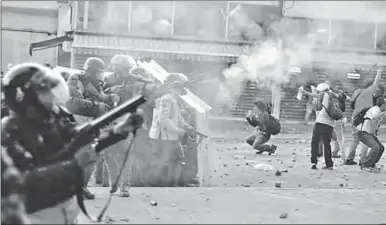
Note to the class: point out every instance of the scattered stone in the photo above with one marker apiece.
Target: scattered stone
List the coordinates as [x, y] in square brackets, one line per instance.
[246, 185]
[225, 165]
[226, 174]
[263, 167]
[341, 185]
[173, 205]
[261, 181]
[153, 203]
[278, 173]
[299, 185]
[125, 220]
[278, 184]
[294, 160]
[283, 216]
[290, 166]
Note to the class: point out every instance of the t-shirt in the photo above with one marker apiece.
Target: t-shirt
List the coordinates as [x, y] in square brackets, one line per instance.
[323, 116]
[364, 100]
[370, 125]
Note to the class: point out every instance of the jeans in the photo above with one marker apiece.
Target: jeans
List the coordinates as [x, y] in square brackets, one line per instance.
[376, 148]
[353, 146]
[258, 141]
[322, 132]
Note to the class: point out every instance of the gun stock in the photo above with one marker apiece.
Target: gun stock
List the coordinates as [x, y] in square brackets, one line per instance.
[86, 133]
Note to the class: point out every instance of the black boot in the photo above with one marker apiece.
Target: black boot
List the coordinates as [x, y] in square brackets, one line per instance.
[87, 194]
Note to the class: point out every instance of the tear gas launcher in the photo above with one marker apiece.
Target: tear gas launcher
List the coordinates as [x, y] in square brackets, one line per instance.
[87, 133]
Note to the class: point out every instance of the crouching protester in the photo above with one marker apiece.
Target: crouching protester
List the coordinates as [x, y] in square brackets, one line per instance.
[367, 122]
[167, 127]
[37, 128]
[330, 111]
[266, 125]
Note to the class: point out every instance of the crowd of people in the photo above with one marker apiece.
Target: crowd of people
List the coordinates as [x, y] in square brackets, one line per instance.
[40, 116]
[368, 106]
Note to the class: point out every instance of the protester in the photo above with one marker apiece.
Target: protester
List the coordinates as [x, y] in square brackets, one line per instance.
[367, 128]
[363, 99]
[324, 125]
[260, 118]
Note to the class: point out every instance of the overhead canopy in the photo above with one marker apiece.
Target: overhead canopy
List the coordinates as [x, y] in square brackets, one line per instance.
[97, 44]
[49, 43]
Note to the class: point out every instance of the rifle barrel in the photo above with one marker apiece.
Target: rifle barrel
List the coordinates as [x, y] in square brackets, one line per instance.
[129, 106]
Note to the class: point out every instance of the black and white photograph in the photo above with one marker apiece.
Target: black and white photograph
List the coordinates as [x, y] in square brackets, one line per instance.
[193, 112]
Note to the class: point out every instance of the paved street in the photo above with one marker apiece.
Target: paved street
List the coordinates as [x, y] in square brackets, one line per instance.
[243, 205]
[243, 194]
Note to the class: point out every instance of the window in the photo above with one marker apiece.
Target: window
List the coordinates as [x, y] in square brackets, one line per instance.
[351, 34]
[201, 20]
[152, 18]
[97, 13]
[117, 19]
[321, 30]
[250, 21]
[381, 36]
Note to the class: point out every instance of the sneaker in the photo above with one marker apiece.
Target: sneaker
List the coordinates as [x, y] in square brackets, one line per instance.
[350, 163]
[114, 188]
[273, 150]
[328, 167]
[336, 156]
[125, 194]
[371, 169]
[87, 194]
[259, 152]
[313, 167]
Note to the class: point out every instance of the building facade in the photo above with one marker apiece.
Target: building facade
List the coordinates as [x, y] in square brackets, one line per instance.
[202, 38]
[24, 22]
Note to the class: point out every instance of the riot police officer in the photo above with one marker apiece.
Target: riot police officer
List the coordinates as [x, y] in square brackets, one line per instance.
[88, 99]
[38, 127]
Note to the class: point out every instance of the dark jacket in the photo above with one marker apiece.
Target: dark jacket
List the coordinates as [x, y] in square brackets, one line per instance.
[259, 122]
[29, 146]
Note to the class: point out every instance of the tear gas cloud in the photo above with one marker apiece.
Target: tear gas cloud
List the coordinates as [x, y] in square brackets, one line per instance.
[265, 65]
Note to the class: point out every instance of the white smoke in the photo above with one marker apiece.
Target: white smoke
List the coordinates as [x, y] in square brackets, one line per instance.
[267, 62]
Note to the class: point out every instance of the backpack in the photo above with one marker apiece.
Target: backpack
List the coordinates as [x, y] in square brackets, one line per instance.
[334, 110]
[360, 117]
[359, 92]
[272, 125]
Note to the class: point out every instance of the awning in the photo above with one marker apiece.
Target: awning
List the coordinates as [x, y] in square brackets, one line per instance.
[164, 48]
[48, 43]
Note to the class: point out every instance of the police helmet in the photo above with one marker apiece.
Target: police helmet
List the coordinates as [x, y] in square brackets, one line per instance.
[23, 82]
[122, 62]
[94, 64]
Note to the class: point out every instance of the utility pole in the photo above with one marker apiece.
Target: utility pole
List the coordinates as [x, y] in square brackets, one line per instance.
[276, 88]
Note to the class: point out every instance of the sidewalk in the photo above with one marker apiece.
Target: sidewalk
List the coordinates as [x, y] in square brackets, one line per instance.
[242, 205]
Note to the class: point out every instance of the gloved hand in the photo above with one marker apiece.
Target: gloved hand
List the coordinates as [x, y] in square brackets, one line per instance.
[103, 108]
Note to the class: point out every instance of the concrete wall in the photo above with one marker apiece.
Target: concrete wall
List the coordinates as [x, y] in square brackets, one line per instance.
[25, 22]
